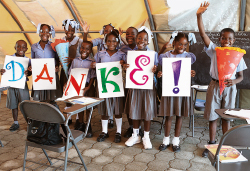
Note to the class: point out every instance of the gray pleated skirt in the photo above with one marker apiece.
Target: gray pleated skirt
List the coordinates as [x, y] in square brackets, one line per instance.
[141, 104]
[48, 95]
[179, 106]
[16, 95]
[110, 106]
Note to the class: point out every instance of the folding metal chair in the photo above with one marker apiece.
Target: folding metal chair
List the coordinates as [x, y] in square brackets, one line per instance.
[236, 136]
[46, 112]
[199, 105]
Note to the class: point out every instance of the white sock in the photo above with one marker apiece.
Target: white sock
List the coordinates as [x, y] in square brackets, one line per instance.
[136, 131]
[118, 125]
[105, 126]
[16, 122]
[166, 140]
[176, 141]
[77, 117]
[146, 134]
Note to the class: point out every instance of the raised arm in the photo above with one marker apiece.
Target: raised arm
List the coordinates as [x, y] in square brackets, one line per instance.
[199, 13]
[85, 30]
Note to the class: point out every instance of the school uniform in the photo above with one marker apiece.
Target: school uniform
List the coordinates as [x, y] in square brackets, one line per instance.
[99, 42]
[47, 52]
[213, 98]
[141, 103]
[74, 52]
[125, 48]
[78, 62]
[179, 106]
[17, 95]
[112, 105]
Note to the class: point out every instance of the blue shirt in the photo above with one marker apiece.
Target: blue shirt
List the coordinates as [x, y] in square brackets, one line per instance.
[185, 54]
[103, 56]
[80, 63]
[126, 48]
[47, 52]
[99, 42]
[213, 67]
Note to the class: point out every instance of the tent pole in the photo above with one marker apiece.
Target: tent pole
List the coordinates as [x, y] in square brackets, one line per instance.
[242, 14]
[152, 26]
[73, 13]
[17, 22]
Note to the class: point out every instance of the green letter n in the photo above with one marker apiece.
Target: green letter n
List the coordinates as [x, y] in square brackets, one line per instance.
[104, 77]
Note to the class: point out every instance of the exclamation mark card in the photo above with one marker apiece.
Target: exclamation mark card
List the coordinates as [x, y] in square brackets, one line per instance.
[176, 76]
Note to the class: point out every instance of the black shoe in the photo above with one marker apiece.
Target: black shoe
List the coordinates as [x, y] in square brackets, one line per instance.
[77, 124]
[128, 133]
[14, 127]
[70, 122]
[102, 137]
[81, 127]
[117, 137]
[141, 133]
[89, 133]
[176, 148]
[111, 124]
[163, 147]
[205, 152]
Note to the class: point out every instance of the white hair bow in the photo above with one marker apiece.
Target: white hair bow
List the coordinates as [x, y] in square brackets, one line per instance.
[73, 24]
[191, 38]
[150, 34]
[174, 34]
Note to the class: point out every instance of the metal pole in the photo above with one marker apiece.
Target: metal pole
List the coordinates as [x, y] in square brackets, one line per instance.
[73, 13]
[17, 22]
[152, 26]
[242, 14]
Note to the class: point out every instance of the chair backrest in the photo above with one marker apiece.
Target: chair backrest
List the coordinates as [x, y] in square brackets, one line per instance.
[41, 111]
[236, 136]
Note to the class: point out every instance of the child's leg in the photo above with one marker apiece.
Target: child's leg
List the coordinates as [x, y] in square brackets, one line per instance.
[212, 130]
[15, 114]
[225, 125]
[118, 120]
[135, 138]
[176, 139]
[166, 139]
[129, 131]
[104, 133]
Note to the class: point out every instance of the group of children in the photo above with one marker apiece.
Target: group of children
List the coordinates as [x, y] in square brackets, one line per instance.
[139, 104]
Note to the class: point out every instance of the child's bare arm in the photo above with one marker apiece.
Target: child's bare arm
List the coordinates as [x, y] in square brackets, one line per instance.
[85, 30]
[229, 82]
[199, 13]
[164, 47]
[87, 88]
[2, 71]
[122, 38]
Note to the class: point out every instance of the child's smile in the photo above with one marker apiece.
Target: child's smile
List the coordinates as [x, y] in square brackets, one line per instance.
[227, 39]
[85, 50]
[142, 41]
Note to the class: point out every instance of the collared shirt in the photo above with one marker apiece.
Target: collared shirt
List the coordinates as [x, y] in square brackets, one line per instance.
[185, 54]
[83, 63]
[213, 67]
[99, 42]
[73, 42]
[47, 52]
[103, 56]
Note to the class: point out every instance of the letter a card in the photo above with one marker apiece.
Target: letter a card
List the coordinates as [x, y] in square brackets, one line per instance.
[43, 74]
[76, 82]
[14, 72]
[109, 78]
[139, 74]
[176, 76]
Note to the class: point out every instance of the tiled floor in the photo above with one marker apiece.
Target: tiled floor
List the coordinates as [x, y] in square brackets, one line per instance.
[108, 155]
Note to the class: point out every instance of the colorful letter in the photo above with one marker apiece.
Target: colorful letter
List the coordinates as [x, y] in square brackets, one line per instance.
[144, 60]
[45, 69]
[12, 63]
[104, 77]
[75, 85]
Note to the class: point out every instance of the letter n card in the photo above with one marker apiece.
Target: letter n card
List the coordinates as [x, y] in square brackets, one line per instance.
[109, 78]
[176, 76]
[139, 75]
[43, 74]
[76, 82]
